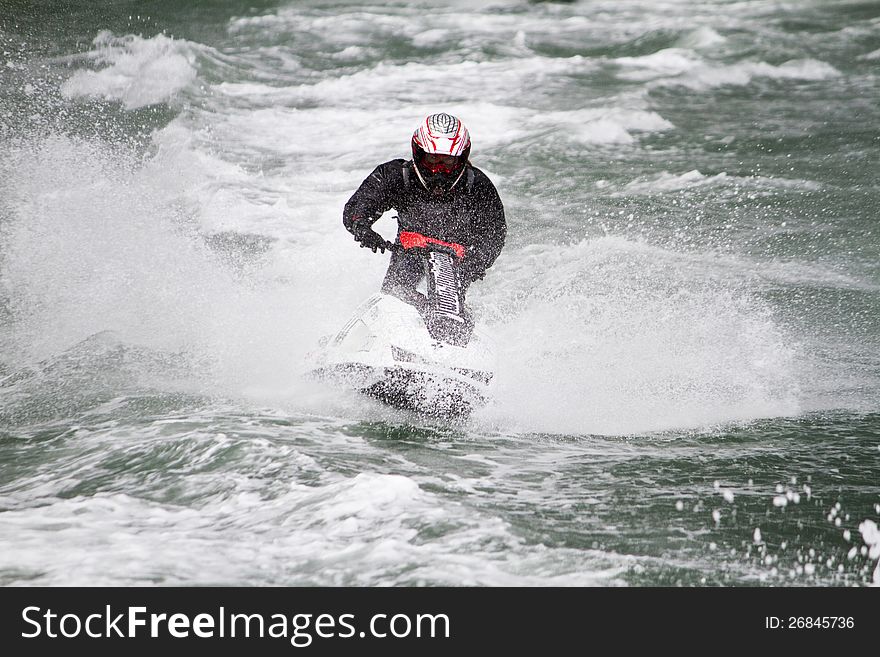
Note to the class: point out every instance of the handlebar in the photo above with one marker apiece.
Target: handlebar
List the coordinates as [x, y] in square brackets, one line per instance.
[412, 240]
[408, 240]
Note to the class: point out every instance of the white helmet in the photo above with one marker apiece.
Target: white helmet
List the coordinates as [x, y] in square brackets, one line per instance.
[440, 147]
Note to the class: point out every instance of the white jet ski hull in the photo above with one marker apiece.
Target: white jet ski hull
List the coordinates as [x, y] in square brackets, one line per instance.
[386, 351]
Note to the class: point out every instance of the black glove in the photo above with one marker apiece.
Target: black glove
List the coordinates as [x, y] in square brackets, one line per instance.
[370, 239]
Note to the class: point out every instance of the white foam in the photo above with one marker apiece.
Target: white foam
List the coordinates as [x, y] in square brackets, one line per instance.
[298, 535]
[629, 338]
[430, 38]
[702, 37]
[871, 536]
[351, 53]
[684, 67]
[105, 246]
[664, 63]
[870, 56]
[666, 181]
[798, 69]
[135, 71]
[608, 125]
[468, 25]
[388, 85]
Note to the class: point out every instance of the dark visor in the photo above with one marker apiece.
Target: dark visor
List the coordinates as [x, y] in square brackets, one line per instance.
[441, 163]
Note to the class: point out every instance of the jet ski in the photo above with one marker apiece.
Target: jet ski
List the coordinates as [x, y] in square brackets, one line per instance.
[421, 353]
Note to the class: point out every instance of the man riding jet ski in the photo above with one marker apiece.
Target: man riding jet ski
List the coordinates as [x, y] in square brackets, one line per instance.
[408, 348]
[437, 193]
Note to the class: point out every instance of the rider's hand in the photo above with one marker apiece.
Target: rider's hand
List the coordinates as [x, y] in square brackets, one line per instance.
[370, 239]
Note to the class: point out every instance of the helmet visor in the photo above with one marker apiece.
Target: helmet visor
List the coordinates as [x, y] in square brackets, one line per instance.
[436, 163]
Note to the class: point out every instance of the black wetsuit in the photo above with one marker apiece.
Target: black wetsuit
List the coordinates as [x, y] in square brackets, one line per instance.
[470, 214]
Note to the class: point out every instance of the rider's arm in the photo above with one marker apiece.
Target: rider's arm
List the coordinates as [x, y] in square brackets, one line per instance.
[372, 199]
[490, 229]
